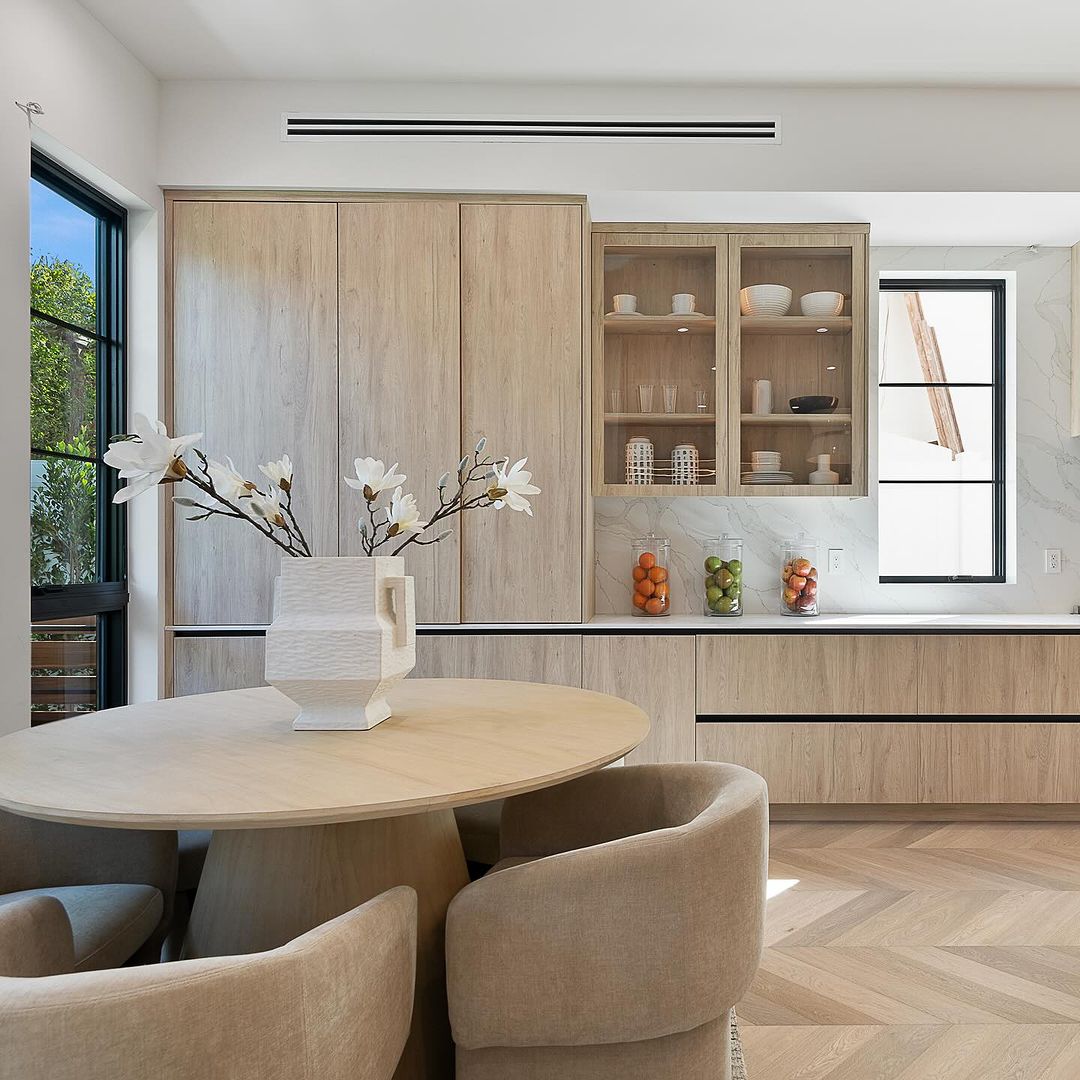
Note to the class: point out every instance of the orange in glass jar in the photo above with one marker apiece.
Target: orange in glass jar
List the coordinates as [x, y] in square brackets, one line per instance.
[647, 560]
[658, 574]
[661, 591]
[655, 605]
[639, 601]
[645, 587]
[640, 573]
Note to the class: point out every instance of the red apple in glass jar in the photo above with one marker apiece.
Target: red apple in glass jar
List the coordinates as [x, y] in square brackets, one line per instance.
[811, 587]
[806, 603]
[802, 567]
[796, 582]
[790, 596]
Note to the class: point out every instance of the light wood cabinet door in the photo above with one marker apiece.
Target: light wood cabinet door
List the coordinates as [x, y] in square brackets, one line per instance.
[822, 761]
[656, 673]
[542, 658]
[1003, 674]
[399, 370]
[254, 366]
[807, 674]
[522, 387]
[202, 665]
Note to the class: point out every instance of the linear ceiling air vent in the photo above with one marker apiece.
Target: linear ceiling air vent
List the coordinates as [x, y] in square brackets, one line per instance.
[527, 129]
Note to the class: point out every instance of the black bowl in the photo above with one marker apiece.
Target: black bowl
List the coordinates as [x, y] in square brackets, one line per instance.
[814, 403]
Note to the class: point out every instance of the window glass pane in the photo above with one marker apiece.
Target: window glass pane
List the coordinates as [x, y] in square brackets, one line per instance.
[63, 521]
[960, 321]
[63, 257]
[63, 389]
[935, 530]
[932, 433]
[63, 668]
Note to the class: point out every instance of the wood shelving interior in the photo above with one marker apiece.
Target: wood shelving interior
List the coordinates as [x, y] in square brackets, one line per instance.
[686, 419]
[659, 324]
[798, 419]
[784, 325]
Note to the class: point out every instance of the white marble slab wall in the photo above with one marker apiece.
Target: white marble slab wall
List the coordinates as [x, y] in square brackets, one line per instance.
[1047, 508]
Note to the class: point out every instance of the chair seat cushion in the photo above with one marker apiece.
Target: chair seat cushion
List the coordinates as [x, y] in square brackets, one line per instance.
[109, 923]
[191, 848]
[505, 864]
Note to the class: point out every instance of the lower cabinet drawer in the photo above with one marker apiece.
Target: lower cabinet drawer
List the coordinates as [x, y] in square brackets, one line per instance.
[807, 674]
[541, 658]
[822, 761]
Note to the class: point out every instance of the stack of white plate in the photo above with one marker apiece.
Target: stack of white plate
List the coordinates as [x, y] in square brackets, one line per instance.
[765, 468]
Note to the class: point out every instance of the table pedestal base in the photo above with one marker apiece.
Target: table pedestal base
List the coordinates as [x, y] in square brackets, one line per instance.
[261, 888]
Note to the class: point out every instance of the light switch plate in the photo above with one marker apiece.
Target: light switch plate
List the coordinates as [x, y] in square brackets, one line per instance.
[1052, 564]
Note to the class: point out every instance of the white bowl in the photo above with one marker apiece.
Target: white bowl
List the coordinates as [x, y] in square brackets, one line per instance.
[765, 300]
[821, 304]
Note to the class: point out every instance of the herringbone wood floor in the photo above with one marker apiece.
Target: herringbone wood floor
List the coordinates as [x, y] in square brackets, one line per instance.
[919, 952]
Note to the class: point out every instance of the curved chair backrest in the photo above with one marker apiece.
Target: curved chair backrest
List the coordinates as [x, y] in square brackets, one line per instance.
[335, 1004]
[646, 907]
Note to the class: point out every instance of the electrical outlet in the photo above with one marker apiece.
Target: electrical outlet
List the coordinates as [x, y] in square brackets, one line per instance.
[836, 560]
[1052, 557]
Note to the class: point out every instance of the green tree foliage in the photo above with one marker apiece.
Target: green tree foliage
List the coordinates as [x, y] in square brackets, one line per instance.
[63, 369]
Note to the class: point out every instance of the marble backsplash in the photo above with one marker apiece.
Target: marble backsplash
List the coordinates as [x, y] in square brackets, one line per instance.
[1047, 492]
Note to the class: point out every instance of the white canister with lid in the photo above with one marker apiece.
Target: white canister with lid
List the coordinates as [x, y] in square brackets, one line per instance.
[639, 460]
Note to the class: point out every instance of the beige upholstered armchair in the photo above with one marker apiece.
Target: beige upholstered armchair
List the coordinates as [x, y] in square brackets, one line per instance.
[335, 1004]
[116, 885]
[622, 924]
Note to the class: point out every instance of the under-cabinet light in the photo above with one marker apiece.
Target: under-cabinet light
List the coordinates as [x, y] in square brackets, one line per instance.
[682, 330]
[822, 329]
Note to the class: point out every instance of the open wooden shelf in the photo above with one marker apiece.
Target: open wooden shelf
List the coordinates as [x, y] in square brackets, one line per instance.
[659, 324]
[804, 419]
[784, 325]
[660, 418]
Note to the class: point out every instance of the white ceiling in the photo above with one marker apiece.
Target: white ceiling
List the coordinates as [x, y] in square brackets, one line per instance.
[780, 42]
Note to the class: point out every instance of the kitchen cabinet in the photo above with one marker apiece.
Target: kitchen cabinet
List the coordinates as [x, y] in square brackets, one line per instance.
[399, 392]
[543, 658]
[253, 364]
[710, 359]
[656, 673]
[522, 384]
[201, 665]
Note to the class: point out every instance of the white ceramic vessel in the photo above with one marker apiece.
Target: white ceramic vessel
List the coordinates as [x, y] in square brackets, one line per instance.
[343, 635]
[821, 304]
[765, 300]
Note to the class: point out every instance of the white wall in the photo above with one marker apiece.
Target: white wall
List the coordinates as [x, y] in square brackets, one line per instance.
[100, 121]
[1047, 481]
[839, 140]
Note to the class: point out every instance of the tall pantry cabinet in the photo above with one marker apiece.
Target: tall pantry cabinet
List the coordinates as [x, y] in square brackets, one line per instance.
[399, 327]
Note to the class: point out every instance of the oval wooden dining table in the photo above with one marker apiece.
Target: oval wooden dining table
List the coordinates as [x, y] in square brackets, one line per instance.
[308, 824]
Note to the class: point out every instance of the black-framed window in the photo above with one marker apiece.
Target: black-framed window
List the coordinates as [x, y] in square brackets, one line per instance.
[78, 594]
[941, 430]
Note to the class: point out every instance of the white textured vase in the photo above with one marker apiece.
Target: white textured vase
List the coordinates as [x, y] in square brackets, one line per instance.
[343, 635]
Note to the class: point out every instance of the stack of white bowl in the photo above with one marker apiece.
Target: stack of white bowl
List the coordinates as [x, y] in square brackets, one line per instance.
[765, 468]
[765, 300]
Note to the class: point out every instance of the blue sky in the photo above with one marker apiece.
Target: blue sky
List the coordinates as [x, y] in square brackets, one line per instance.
[57, 228]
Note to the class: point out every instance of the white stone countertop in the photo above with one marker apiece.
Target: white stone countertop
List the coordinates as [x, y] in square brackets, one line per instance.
[699, 624]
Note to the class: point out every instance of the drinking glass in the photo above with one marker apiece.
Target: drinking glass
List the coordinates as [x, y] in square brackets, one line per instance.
[644, 393]
[671, 394]
[701, 399]
[615, 401]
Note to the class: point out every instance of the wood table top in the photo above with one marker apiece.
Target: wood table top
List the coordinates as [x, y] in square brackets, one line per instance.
[232, 761]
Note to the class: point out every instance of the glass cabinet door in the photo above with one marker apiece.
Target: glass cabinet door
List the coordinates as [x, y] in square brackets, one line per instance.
[797, 368]
[661, 329]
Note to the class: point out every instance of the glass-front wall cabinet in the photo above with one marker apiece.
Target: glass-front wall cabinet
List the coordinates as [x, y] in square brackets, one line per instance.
[729, 363]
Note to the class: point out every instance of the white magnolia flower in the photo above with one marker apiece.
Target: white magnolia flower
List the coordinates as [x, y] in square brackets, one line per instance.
[279, 473]
[148, 458]
[263, 506]
[227, 481]
[404, 514]
[510, 486]
[372, 477]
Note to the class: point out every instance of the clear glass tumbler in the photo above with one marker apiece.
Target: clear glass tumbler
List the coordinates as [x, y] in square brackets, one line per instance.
[671, 397]
[644, 393]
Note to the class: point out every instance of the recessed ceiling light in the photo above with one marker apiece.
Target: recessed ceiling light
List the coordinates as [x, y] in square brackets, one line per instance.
[822, 329]
[682, 330]
[831, 367]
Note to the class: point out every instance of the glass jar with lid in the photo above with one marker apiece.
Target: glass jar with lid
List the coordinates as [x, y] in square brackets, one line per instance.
[723, 575]
[799, 576]
[650, 582]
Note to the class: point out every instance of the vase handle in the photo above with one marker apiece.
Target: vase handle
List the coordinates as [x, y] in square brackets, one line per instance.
[398, 589]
